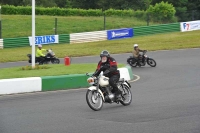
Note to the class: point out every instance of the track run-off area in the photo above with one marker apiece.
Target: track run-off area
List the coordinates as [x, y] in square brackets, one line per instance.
[166, 99]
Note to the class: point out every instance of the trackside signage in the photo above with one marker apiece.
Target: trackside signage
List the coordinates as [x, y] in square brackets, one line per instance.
[47, 39]
[190, 26]
[119, 33]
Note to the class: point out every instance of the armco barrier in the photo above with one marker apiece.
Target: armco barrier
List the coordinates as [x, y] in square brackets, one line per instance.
[88, 37]
[16, 42]
[20, 85]
[1, 43]
[50, 83]
[155, 29]
[94, 36]
[64, 38]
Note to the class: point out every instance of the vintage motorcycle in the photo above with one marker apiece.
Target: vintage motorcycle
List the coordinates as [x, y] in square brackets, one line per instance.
[50, 57]
[101, 92]
[142, 61]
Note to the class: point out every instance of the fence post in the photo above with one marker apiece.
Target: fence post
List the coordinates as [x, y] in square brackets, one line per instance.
[56, 25]
[104, 14]
[147, 19]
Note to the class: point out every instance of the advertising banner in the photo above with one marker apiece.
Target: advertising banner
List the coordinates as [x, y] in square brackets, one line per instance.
[190, 26]
[47, 39]
[119, 33]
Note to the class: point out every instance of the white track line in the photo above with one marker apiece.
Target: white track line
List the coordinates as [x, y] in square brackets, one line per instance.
[137, 78]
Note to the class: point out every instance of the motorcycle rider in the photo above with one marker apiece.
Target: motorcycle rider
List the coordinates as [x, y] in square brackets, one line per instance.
[136, 53]
[39, 53]
[108, 65]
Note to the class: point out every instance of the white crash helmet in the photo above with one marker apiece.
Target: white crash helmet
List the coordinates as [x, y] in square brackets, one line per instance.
[39, 46]
[135, 45]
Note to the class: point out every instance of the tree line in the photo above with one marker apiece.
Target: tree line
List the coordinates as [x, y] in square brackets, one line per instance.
[181, 6]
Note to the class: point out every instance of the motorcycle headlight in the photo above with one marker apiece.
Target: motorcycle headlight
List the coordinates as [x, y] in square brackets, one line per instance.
[90, 80]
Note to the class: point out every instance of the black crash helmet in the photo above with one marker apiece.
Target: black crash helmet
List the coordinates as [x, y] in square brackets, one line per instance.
[105, 53]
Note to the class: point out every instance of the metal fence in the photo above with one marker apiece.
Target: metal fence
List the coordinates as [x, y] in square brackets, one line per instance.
[18, 26]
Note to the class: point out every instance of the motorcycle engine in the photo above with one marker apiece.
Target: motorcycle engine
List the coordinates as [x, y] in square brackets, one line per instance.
[110, 96]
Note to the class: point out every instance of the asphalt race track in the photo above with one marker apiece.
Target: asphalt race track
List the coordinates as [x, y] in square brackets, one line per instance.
[166, 99]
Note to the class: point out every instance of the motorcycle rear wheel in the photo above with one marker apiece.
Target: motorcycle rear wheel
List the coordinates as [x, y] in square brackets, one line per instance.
[126, 96]
[94, 100]
[132, 62]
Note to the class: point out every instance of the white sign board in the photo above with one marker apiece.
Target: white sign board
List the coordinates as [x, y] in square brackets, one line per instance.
[47, 39]
[190, 26]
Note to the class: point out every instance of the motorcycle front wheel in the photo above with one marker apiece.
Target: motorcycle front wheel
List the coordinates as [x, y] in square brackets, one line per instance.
[126, 95]
[132, 62]
[151, 62]
[94, 100]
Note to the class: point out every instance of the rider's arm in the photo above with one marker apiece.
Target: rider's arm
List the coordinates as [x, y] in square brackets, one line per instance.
[44, 50]
[39, 53]
[135, 53]
[98, 70]
[141, 50]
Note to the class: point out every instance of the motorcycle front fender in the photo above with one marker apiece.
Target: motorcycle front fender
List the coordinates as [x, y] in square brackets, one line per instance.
[127, 83]
[94, 88]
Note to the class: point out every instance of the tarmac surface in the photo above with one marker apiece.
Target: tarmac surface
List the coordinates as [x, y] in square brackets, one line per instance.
[166, 99]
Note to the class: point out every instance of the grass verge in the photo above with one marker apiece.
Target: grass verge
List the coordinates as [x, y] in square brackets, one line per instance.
[48, 70]
[14, 26]
[168, 41]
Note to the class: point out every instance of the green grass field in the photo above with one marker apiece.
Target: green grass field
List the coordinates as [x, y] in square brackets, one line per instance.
[168, 41]
[14, 26]
[53, 70]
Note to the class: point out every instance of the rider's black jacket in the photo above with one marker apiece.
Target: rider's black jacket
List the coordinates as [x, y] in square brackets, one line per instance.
[109, 67]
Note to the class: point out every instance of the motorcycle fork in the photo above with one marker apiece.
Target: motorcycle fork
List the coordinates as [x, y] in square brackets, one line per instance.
[97, 89]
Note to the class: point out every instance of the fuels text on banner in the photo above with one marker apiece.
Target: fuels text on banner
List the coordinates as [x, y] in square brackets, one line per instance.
[47, 39]
[190, 26]
[119, 33]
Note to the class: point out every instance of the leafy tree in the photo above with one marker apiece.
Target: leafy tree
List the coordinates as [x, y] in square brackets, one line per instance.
[163, 12]
[180, 6]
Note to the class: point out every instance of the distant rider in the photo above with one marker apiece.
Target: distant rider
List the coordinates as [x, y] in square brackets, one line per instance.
[39, 53]
[108, 65]
[136, 53]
